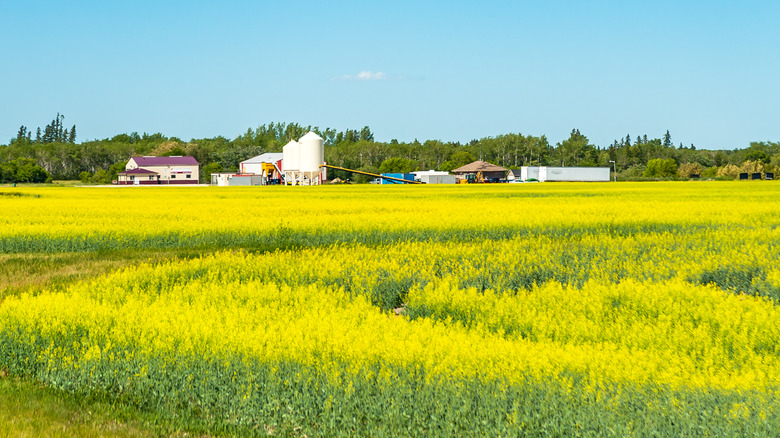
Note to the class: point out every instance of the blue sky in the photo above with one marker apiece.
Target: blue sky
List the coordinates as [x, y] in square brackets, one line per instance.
[447, 70]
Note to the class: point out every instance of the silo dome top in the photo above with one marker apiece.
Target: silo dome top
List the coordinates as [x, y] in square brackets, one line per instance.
[310, 136]
[293, 142]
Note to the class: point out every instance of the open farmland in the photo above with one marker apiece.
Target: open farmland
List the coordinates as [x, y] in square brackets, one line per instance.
[628, 309]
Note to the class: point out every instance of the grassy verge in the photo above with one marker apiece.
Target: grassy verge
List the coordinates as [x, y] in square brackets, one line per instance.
[28, 409]
[33, 272]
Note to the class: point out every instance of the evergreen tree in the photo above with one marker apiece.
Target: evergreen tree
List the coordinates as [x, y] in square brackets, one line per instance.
[53, 131]
[60, 132]
[22, 134]
[38, 135]
[47, 134]
[668, 140]
[72, 136]
[366, 134]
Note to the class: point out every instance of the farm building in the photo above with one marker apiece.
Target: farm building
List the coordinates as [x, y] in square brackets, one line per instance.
[245, 179]
[488, 170]
[545, 173]
[268, 165]
[223, 179]
[514, 174]
[159, 170]
[434, 177]
[256, 171]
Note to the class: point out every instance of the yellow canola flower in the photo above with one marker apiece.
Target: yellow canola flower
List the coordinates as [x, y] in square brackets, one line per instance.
[123, 214]
[582, 284]
[670, 334]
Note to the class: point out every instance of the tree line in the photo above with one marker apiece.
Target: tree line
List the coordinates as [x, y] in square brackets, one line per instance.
[55, 132]
[56, 152]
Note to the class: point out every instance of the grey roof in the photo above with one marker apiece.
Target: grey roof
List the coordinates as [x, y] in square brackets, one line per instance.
[268, 157]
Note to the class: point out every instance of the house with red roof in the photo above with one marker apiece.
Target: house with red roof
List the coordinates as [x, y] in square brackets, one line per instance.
[160, 170]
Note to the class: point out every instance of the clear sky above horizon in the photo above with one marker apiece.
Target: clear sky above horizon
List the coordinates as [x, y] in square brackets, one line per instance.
[452, 71]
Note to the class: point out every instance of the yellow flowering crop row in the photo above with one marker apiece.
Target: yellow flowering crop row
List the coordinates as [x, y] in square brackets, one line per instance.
[88, 219]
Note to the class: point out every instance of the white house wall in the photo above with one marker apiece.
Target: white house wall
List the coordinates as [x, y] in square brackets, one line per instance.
[547, 173]
[587, 174]
[528, 172]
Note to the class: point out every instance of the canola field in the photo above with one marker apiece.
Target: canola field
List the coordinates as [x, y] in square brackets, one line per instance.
[629, 309]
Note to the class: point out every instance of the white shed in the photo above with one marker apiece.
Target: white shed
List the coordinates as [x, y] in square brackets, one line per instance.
[434, 177]
[221, 179]
[514, 174]
[254, 165]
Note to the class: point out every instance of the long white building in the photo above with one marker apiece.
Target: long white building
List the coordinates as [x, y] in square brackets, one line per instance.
[546, 173]
[434, 177]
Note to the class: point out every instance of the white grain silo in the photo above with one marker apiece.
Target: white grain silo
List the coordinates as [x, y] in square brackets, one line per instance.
[311, 157]
[291, 162]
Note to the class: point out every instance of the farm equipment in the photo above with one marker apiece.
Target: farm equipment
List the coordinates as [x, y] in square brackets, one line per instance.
[473, 179]
[375, 175]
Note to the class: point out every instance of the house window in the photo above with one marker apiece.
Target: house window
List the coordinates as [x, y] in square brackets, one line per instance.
[189, 176]
[173, 176]
[151, 178]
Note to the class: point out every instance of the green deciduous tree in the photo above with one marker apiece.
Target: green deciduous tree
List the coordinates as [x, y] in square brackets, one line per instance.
[576, 150]
[208, 169]
[458, 159]
[660, 168]
[398, 165]
[24, 170]
[757, 155]
[364, 178]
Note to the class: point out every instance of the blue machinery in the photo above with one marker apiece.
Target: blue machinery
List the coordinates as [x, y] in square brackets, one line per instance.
[375, 175]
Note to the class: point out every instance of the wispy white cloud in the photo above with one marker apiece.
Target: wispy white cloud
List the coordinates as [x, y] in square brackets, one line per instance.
[366, 75]
[371, 76]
